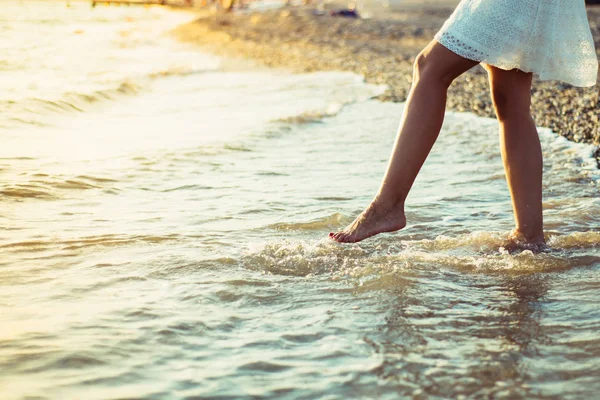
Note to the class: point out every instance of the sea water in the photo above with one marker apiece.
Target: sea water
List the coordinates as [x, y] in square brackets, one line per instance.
[164, 221]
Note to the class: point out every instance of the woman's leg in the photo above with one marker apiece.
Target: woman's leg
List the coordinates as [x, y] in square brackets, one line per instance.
[435, 69]
[521, 150]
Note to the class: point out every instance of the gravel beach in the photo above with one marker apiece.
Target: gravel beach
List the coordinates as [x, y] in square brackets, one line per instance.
[382, 48]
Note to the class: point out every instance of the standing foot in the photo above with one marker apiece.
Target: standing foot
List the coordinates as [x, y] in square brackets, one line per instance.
[517, 241]
[377, 218]
[531, 239]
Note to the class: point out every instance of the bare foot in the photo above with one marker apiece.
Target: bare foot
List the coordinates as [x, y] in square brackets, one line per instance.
[377, 218]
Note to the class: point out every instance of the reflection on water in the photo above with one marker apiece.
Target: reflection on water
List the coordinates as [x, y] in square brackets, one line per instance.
[507, 333]
[171, 242]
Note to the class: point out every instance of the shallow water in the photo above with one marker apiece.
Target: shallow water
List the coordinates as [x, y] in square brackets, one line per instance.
[168, 240]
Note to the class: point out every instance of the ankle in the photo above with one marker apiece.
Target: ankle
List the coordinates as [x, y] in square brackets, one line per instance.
[529, 235]
[388, 203]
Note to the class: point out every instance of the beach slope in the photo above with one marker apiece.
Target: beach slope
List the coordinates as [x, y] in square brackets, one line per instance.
[382, 49]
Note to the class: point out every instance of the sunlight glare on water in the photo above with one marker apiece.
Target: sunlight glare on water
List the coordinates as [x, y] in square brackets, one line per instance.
[169, 238]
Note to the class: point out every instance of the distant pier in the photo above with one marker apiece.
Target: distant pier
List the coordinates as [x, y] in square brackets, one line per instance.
[223, 5]
[139, 2]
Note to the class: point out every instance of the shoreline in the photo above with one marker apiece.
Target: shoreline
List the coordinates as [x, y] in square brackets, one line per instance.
[382, 49]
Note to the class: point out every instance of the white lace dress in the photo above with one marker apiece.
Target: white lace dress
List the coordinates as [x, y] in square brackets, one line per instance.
[551, 38]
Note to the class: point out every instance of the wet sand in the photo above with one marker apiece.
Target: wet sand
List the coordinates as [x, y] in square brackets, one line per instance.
[382, 48]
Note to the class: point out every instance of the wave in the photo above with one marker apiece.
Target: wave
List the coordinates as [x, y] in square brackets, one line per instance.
[45, 187]
[180, 72]
[313, 116]
[108, 240]
[479, 252]
[25, 192]
[576, 240]
[328, 222]
[32, 111]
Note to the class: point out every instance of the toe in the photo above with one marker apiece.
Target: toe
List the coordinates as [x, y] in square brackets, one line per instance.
[343, 238]
[337, 235]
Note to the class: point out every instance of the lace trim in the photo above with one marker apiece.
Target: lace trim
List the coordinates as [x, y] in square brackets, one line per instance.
[548, 37]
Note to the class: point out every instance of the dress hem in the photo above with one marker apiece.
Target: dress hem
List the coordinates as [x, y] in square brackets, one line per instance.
[439, 37]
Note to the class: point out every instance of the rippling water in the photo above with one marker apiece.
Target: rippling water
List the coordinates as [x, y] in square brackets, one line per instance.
[164, 220]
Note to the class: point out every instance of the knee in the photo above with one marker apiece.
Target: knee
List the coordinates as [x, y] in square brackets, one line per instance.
[511, 93]
[427, 69]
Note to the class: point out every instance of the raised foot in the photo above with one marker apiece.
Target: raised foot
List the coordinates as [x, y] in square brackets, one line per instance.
[377, 218]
